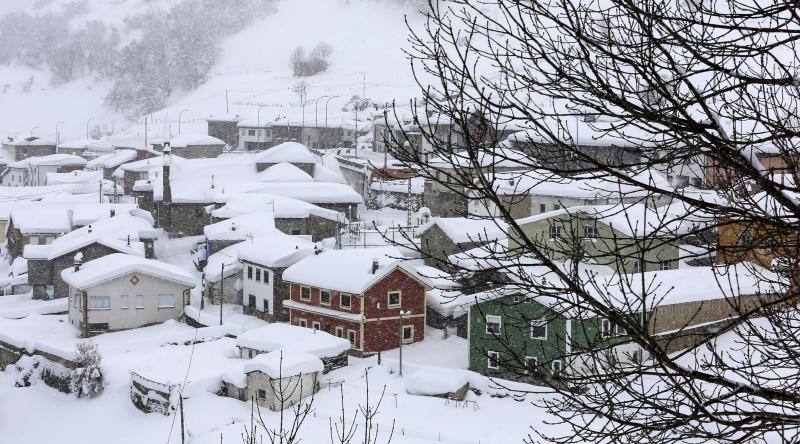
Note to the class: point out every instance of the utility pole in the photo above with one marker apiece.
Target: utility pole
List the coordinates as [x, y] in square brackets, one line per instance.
[363, 84]
[221, 291]
[401, 342]
[145, 132]
[408, 203]
[379, 334]
[227, 111]
[183, 433]
[100, 191]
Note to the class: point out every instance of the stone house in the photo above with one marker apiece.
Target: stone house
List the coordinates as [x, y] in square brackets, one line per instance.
[118, 234]
[442, 237]
[108, 163]
[36, 225]
[123, 291]
[292, 153]
[332, 351]
[32, 171]
[225, 128]
[194, 146]
[263, 262]
[619, 236]
[368, 296]
[276, 380]
[439, 195]
[19, 148]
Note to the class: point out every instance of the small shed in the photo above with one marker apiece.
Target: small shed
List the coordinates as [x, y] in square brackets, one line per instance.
[331, 350]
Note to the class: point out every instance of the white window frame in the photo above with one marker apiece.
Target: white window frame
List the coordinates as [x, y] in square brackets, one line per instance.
[491, 319]
[94, 306]
[124, 302]
[316, 325]
[322, 302]
[590, 231]
[489, 354]
[528, 368]
[339, 332]
[349, 300]
[403, 334]
[554, 229]
[605, 328]
[301, 293]
[553, 366]
[163, 304]
[302, 322]
[664, 265]
[389, 299]
[139, 301]
[538, 323]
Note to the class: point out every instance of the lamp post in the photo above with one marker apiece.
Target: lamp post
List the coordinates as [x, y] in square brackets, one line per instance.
[57, 125]
[221, 290]
[326, 110]
[316, 114]
[378, 335]
[355, 136]
[179, 120]
[87, 126]
[402, 313]
[302, 123]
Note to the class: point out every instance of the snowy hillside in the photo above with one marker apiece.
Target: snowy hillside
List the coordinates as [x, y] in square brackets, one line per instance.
[252, 64]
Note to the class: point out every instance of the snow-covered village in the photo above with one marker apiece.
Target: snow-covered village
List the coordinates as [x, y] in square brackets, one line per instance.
[399, 221]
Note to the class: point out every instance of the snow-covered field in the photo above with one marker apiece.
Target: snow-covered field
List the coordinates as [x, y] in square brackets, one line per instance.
[160, 352]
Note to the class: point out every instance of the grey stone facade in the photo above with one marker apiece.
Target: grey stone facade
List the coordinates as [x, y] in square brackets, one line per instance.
[225, 130]
[436, 246]
[317, 227]
[46, 274]
[182, 219]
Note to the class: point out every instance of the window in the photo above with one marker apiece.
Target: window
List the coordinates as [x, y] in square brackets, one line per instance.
[266, 305]
[266, 277]
[262, 394]
[258, 275]
[542, 208]
[637, 266]
[351, 336]
[305, 293]
[139, 301]
[33, 240]
[394, 299]
[339, 332]
[166, 301]
[302, 322]
[745, 240]
[590, 231]
[493, 324]
[531, 364]
[620, 330]
[75, 298]
[556, 366]
[664, 265]
[408, 334]
[124, 301]
[251, 132]
[315, 325]
[555, 232]
[344, 300]
[100, 303]
[539, 329]
[605, 328]
[251, 300]
[493, 360]
[325, 297]
[249, 272]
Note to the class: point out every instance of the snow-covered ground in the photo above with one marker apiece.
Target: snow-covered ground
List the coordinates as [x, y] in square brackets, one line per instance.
[164, 353]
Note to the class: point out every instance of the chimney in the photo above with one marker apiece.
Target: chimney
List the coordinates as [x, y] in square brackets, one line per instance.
[78, 259]
[129, 240]
[374, 265]
[148, 238]
[113, 212]
[166, 161]
[90, 228]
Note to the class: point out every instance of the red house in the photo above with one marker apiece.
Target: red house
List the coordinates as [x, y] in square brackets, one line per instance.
[359, 294]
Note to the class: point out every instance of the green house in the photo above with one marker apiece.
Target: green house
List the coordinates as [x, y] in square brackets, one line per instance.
[513, 336]
[629, 238]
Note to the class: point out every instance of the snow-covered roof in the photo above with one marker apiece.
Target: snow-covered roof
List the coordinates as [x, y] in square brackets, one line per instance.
[225, 118]
[240, 227]
[116, 265]
[93, 145]
[494, 157]
[292, 338]
[281, 207]
[349, 270]
[282, 364]
[329, 171]
[463, 230]
[119, 233]
[184, 140]
[73, 177]
[284, 172]
[312, 192]
[399, 185]
[229, 257]
[635, 220]
[111, 160]
[29, 141]
[291, 152]
[49, 160]
[274, 248]
[42, 219]
[542, 183]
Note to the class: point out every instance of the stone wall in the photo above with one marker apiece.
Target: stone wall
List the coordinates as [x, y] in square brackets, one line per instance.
[225, 130]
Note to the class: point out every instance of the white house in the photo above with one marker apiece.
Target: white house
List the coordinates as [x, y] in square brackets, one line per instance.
[33, 170]
[121, 291]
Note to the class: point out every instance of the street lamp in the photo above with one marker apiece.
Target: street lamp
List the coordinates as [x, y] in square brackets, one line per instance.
[326, 110]
[179, 120]
[402, 313]
[57, 124]
[87, 126]
[355, 136]
[316, 113]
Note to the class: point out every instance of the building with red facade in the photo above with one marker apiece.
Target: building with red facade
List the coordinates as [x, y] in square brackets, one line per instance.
[370, 296]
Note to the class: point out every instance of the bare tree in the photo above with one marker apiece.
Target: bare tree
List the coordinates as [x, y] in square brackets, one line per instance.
[603, 93]
[301, 89]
